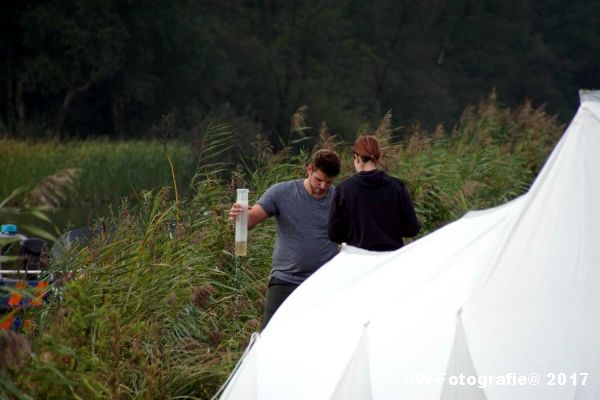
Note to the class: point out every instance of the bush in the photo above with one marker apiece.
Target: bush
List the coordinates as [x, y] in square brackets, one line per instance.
[162, 309]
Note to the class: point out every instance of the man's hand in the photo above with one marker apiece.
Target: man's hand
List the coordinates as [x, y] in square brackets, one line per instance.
[236, 208]
[256, 214]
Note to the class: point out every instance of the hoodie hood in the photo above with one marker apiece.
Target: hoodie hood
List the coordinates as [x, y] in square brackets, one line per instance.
[372, 179]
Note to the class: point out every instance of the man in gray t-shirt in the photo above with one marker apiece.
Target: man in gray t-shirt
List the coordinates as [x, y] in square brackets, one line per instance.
[301, 208]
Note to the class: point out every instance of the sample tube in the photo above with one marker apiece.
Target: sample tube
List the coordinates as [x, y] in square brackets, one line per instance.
[241, 224]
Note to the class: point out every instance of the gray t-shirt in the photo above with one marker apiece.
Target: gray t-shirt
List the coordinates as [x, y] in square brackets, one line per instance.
[302, 244]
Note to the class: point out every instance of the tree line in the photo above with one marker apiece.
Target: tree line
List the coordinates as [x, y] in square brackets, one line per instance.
[113, 68]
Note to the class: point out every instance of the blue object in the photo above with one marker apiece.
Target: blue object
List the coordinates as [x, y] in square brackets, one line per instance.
[8, 229]
[17, 323]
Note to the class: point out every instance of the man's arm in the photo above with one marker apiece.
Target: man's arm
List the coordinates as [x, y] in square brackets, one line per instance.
[256, 214]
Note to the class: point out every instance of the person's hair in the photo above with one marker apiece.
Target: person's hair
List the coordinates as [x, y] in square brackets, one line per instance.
[327, 161]
[367, 148]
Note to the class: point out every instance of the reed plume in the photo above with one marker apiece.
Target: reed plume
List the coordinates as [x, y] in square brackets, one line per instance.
[53, 190]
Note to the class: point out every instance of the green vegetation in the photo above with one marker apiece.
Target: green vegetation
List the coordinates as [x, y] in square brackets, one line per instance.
[112, 68]
[92, 171]
[162, 309]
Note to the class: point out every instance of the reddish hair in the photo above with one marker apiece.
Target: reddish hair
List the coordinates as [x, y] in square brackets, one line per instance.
[367, 148]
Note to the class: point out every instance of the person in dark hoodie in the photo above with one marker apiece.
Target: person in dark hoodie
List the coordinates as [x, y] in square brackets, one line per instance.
[371, 210]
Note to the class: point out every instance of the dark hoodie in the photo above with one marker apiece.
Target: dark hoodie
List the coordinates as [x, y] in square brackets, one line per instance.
[372, 210]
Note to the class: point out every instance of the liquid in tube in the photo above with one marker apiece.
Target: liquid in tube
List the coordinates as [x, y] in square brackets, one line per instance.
[241, 248]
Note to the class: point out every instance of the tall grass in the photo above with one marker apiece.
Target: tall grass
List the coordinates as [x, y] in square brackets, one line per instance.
[163, 310]
[107, 170]
[490, 157]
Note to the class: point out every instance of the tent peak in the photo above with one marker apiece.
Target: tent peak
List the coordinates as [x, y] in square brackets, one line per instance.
[589, 95]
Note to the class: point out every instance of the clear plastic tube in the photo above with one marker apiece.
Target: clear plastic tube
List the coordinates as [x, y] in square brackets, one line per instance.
[241, 224]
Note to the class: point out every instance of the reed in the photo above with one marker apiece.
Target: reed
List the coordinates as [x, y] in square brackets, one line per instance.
[107, 170]
[162, 309]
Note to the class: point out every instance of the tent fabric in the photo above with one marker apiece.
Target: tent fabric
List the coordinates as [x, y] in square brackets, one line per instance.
[501, 297]
[355, 383]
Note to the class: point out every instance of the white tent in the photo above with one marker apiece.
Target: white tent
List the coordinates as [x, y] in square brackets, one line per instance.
[501, 304]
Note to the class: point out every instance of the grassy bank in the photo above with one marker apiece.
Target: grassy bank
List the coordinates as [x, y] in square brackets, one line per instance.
[102, 171]
[154, 313]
